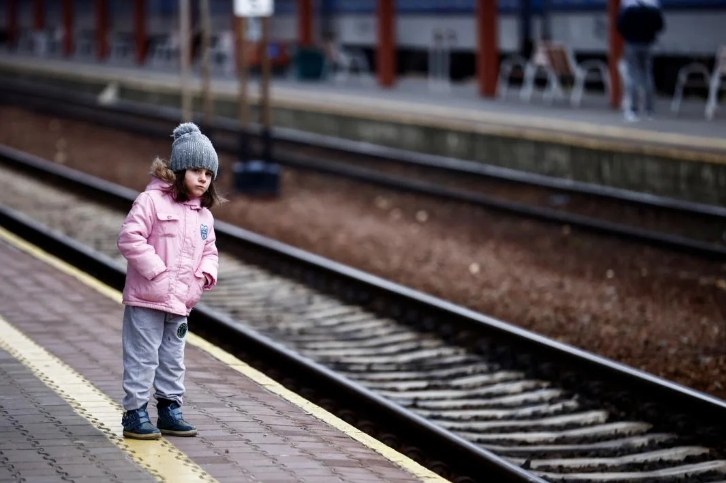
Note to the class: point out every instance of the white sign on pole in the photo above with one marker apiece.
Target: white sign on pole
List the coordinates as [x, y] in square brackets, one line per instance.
[254, 8]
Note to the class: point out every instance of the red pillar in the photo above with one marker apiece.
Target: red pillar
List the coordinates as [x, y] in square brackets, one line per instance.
[13, 22]
[616, 45]
[102, 46]
[386, 55]
[487, 58]
[38, 15]
[67, 9]
[140, 30]
[305, 22]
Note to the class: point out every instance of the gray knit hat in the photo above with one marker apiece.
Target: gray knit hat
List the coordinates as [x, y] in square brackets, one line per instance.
[192, 149]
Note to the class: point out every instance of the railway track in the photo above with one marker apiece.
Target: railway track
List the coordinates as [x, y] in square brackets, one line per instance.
[689, 227]
[468, 396]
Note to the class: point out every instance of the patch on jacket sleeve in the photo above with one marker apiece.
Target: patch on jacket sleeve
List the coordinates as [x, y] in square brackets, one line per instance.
[182, 330]
[205, 232]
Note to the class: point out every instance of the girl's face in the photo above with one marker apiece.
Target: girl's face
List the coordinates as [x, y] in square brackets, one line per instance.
[197, 180]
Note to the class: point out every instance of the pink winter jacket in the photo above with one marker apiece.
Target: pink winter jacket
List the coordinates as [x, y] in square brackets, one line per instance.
[169, 247]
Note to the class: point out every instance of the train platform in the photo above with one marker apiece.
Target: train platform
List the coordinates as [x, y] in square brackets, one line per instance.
[60, 373]
[681, 156]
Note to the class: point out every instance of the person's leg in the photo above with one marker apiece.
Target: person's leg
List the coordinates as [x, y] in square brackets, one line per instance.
[169, 381]
[647, 59]
[631, 81]
[141, 336]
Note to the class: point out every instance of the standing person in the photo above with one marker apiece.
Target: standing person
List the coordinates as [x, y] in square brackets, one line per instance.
[168, 239]
[639, 22]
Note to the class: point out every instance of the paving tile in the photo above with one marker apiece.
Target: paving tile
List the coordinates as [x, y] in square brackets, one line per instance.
[247, 433]
[47, 451]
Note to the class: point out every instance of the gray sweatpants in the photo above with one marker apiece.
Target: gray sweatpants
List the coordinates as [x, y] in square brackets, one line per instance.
[153, 348]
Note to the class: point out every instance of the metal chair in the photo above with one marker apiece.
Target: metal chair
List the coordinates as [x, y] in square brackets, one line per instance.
[507, 66]
[711, 79]
[558, 61]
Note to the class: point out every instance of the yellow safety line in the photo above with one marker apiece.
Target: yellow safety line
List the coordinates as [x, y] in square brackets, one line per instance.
[271, 385]
[526, 126]
[160, 458]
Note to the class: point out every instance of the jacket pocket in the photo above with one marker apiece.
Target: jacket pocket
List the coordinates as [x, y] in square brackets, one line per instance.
[156, 290]
[167, 224]
[194, 294]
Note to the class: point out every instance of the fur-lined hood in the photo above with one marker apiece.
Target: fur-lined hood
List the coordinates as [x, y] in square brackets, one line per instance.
[159, 169]
[162, 180]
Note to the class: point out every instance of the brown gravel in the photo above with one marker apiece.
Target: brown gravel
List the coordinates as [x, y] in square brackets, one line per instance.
[661, 312]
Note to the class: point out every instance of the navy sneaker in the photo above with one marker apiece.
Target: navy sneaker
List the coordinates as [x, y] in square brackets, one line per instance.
[172, 422]
[137, 425]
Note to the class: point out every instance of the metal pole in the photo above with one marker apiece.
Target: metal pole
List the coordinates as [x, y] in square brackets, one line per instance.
[206, 75]
[546, 20]
[265, 110]
[615, 52]
[184, 28]
[13, 26]
[39, 43]
[326, 18]
[68, 29]
[305, 22]
[449, 44]
[386, 49]
[525, 30]
[102, 46]
[244, 115]
[434, 67]
[140, 30]
[487, 61]
[38, 15]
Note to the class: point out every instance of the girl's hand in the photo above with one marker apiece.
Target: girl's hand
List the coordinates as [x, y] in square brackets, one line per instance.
[207, 280]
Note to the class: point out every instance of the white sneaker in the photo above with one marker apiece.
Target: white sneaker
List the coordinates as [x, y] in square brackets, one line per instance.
[630, 116]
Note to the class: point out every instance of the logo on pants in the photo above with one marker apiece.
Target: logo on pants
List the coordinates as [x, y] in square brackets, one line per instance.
[182, 330]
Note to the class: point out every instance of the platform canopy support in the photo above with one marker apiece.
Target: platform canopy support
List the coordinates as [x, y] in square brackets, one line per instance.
[140, 30]
[615, 53]
[38, 14]
[13, 23]
[305, 22]
[102, 46]
[68, 27]
[487, 58]
[525, 28]
[386, 50]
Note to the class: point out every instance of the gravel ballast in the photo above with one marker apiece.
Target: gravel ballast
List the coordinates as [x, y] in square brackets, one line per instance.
[655, 310]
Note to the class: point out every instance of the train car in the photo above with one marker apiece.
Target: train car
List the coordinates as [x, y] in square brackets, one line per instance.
[693, 28]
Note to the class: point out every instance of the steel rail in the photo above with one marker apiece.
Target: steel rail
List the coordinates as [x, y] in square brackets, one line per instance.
[382, 153]
[84, 108]
[463, 457]
[569, 366]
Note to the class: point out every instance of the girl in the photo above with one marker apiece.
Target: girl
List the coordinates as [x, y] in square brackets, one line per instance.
[169, 242]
